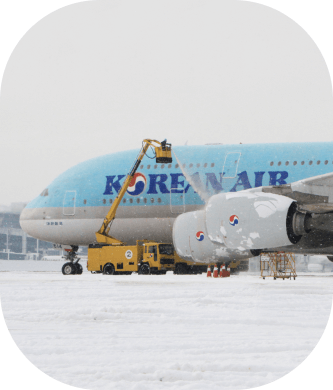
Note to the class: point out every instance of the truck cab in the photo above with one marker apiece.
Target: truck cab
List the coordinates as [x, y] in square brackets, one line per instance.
[157, 258]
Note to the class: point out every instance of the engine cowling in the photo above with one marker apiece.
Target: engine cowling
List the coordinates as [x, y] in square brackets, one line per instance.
[191, 241]
[234, 226]
[251, 220]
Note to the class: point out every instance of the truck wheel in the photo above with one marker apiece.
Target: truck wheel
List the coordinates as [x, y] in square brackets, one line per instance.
[79, 269]
[144, 269]
[68, 269]
[108, 269]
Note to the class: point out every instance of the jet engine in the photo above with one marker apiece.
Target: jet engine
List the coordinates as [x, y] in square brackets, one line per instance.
[192, 242]
[235, 226]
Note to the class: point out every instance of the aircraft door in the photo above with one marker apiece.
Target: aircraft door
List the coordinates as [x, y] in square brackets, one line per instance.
[69, 203]
[230, 166]
[177, 200]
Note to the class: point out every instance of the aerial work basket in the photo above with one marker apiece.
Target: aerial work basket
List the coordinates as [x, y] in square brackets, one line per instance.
[163, 153]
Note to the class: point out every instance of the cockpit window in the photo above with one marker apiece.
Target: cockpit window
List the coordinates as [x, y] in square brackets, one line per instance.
[45, 192]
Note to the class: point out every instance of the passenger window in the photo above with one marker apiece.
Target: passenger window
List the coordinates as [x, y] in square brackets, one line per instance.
[124, 200]
[85, 201]
[141, 166]
[138, 200]
[287, 162]
[326, 162]
[152, 200]
[191, 165]
[145, 200]
[295, 162]
[310, 162]
[145, 248]
[302, 163]
[148, 166]
[279, 163]
[110, 200]
[271, 164]
[212, 165]
[131, 200]
[159, 200]
[155, 166]
[104, 201]
[170, 165]
[177, 166]
[318, 162]
[205, 165]
[162, 166]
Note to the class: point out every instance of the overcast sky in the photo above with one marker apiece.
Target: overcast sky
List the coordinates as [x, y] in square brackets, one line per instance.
[97, 77]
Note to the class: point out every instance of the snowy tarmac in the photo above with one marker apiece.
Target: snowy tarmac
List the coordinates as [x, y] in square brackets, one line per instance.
[171, 331]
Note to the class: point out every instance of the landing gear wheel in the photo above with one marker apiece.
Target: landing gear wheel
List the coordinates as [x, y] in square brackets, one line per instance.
[79, 269]
[68, 269]
[72, 267]
[108, 269]
[144, 269]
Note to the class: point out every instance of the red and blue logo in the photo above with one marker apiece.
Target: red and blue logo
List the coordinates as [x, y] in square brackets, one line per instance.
[200, 236]
[137, 184]
[233, 220]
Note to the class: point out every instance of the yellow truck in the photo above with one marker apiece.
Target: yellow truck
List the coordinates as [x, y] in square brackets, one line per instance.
[183, 267]
[237, 266]
[146, 257]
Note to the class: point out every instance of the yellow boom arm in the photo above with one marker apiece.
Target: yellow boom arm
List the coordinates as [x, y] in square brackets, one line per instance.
[163, 155]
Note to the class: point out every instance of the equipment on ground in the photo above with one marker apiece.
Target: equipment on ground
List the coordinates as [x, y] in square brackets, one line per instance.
[278, 265]
[146, 258]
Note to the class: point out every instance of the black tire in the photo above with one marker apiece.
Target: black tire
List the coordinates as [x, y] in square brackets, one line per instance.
[68, 269]
[108, 269]
[144, 269]
[79, 269]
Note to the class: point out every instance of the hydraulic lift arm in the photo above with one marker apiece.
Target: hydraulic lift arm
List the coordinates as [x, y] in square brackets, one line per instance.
[163, 155]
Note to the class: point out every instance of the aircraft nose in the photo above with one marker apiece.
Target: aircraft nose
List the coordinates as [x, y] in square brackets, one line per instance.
[29, 221]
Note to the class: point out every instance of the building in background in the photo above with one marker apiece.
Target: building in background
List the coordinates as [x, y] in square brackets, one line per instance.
[15, 244]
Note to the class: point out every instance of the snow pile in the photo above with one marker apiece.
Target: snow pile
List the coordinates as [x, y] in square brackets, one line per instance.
[150, 332]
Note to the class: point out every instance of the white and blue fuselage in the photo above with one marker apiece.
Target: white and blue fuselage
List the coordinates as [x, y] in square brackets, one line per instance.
[74, 205]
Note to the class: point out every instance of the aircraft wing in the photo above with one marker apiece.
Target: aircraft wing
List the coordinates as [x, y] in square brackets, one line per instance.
[313, 195]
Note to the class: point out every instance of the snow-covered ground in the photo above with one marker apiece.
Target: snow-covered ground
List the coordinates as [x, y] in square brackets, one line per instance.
[151, 332]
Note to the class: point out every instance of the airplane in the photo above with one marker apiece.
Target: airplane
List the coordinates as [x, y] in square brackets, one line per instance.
[214, 202]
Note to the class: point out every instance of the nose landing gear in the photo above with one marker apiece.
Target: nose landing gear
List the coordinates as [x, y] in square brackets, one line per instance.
[72, 267]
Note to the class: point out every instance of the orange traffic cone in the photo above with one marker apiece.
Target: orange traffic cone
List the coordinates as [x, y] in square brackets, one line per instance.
[228, 270]
[224, 272]
[209, 271]
[221, 268]
[216, 272]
